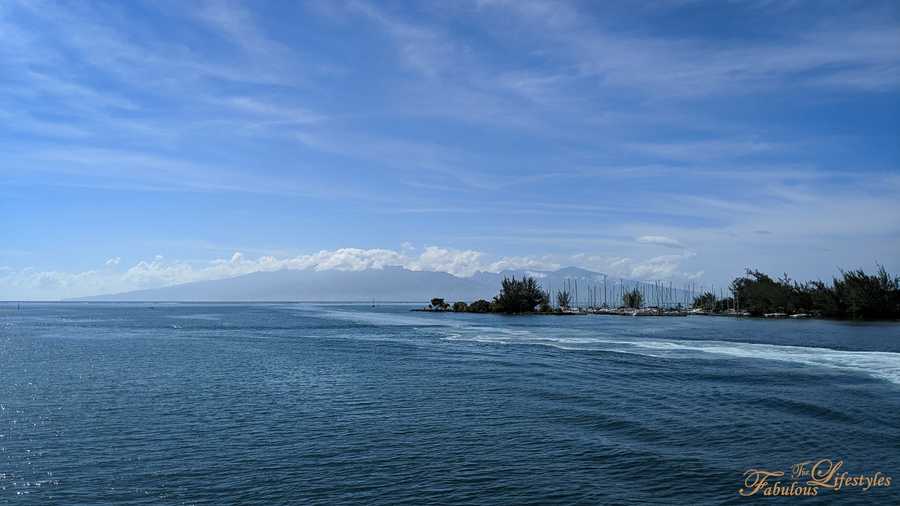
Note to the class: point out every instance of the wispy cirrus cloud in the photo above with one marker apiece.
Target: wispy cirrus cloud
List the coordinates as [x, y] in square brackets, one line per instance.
[531, 129]
[660, 240]
[139, 170]
[704, 151]
[852, 54]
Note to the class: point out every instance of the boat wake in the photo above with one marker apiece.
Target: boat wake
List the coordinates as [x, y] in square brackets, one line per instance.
[882, 365]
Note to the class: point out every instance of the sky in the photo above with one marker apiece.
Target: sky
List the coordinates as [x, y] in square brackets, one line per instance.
[151, 143]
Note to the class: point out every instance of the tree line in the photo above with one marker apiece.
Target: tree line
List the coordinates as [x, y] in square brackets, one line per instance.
[521, 296]
[854, 295]
[516, 296]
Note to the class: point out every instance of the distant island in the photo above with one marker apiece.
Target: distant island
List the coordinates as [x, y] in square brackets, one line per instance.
[855, 295]
[387, 284]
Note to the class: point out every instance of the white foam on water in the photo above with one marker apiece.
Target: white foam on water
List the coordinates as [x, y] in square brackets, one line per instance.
[200, 316]
[375, 318]
[882, 365]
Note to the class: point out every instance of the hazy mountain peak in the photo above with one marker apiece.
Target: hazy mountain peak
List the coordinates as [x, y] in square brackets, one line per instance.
[576, 271]
[390, 283]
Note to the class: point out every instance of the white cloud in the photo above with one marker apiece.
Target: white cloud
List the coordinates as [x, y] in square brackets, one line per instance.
[662, 267]
[275, 113]
[660, 240]
[423, 49]
[518, 263]
[29, 283]
[849, 55]
[459, 263]
[703, 151]
[33, 284]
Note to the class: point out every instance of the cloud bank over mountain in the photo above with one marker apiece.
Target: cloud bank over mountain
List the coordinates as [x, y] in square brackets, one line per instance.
[160, 272]
[385, 284]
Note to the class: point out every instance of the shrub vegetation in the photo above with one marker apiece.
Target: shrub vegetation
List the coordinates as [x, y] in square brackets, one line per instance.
[854, 295]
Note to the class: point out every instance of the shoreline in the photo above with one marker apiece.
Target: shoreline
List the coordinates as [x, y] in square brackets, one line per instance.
[659, 314]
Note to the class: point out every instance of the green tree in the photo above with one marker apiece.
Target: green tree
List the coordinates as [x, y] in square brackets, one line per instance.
[438, 303]
[824, 300]
[760, 294]
[563, 299]
[867, 297]
[519, 296]
[460, 307]
[706, 301]
[633, 299]
[854, 295]
[480, 306]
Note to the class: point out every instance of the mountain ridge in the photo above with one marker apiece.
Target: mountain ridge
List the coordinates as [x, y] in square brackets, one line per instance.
[389, 283]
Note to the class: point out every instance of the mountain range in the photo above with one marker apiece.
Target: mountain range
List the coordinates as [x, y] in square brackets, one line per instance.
[387, 284]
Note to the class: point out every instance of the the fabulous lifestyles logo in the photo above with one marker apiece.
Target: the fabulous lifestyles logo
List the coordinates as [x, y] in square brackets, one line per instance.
[810, 478]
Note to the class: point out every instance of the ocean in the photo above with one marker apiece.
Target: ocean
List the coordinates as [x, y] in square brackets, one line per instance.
[353, 404]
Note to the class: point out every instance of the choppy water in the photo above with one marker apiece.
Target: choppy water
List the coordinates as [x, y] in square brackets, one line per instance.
[266, 404]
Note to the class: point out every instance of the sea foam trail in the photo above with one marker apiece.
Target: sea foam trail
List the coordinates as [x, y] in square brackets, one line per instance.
[383, 319]
[882, 365]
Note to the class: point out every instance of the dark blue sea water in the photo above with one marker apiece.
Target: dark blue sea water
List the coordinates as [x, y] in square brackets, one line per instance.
[333, 404]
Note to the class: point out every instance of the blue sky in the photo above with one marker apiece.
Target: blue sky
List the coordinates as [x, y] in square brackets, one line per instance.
[150, 143]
